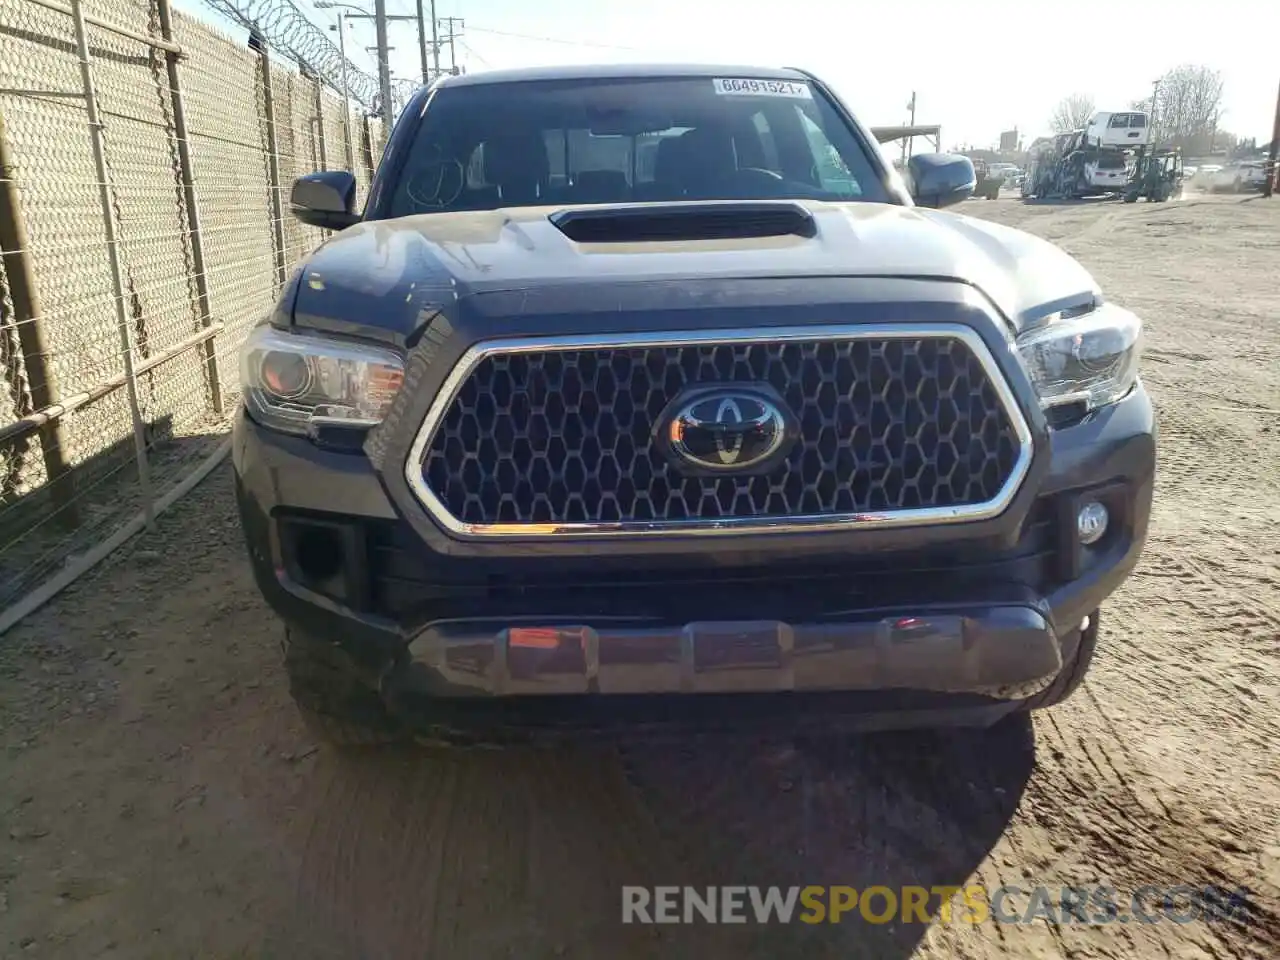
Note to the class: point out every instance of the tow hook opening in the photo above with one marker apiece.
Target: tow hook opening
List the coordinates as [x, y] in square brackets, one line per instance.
[325, 557]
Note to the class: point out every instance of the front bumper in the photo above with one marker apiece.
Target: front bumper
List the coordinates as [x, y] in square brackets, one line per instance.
[992, 618]
[1001, 648]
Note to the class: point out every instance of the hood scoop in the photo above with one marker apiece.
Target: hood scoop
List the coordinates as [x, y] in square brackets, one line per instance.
[651, 223]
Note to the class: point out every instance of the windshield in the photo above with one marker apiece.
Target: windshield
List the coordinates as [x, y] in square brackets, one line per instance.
[1111, 163]
[488, 146]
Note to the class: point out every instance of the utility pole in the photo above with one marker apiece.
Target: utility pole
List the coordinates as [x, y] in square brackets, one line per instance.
[452, 36]
[348, 150]
[1273, 169]
[342, 52]
[384, 61]
[1155, 100]
[422, 40]
[383, 51]
[435, 41]
[909, 142]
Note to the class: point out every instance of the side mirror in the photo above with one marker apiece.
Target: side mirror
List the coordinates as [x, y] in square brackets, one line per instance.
[941, 179]
[325, 200]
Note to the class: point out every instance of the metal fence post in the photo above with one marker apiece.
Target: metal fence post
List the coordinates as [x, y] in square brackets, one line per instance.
[113, 259]
[15, 253]
[273, 165]
[324, 153]
[366, 147]
[191, 202]
[348, 142]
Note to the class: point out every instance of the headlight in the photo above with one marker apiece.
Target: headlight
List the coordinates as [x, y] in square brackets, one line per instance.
[297, 383]
[1091, 360]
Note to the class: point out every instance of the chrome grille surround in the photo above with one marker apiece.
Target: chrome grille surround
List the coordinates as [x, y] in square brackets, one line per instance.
[811, 337]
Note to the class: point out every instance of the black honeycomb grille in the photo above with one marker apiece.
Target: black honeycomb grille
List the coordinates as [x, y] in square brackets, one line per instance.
[565, 436]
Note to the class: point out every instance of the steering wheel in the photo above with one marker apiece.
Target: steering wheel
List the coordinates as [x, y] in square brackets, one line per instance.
[436, 183]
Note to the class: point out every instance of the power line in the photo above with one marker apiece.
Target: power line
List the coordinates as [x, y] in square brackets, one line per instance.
[559, 40]
[467, 47]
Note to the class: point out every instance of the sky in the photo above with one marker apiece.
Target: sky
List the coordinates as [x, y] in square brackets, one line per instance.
[976, 68]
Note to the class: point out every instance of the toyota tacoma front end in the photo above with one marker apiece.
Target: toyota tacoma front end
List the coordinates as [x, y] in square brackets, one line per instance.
[646, 393]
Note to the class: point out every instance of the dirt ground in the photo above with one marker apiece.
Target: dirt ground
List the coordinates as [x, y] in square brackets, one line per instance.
[160, 797]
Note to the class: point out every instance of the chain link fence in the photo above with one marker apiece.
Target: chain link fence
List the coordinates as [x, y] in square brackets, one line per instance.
[135, 254]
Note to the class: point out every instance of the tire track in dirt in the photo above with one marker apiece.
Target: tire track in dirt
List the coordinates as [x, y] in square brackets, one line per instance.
[463, 854]
[1140, 843]
[1190, 633]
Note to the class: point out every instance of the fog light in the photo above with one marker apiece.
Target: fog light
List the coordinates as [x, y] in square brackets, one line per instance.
[1091, 522]
[318, 551]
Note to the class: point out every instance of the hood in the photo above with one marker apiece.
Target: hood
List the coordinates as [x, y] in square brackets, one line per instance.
[392, 274]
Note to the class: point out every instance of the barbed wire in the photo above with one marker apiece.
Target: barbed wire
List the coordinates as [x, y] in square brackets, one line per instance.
[287, 29]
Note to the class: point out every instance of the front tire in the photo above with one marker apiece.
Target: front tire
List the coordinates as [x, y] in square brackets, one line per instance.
[335, 705]
[1072, 673]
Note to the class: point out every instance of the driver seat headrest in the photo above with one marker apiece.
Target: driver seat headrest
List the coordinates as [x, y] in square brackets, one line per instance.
[516, 163]
[705, 158]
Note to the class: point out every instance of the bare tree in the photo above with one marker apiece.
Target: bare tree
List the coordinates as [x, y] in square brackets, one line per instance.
[1071, 113]
[1188, 106]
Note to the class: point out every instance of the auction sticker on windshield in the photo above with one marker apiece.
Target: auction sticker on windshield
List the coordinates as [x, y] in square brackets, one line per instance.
[745, 87]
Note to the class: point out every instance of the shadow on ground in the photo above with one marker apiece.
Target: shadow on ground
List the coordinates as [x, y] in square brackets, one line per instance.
[524, 852]
[40, 529]
[1069, 201]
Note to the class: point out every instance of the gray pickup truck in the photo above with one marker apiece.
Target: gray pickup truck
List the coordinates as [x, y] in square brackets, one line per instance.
[649, 395]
